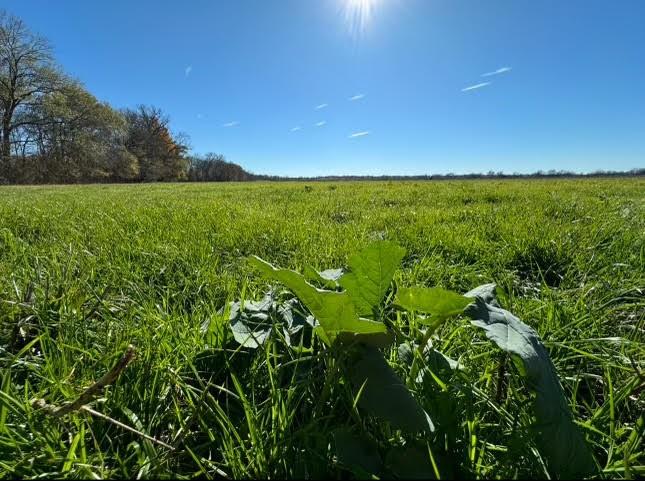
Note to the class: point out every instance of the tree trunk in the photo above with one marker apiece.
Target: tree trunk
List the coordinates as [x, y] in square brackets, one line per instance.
[5, 149]
[6, 143]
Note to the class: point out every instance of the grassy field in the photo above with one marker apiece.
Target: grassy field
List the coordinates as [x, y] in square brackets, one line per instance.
[87, 270]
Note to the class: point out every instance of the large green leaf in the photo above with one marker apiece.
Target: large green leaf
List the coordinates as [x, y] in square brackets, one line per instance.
[439, 303]
[371, 273]
[383, 394]
[333, 310]
[409, 462]
[357, 453]
[559, 439]
[376, 339]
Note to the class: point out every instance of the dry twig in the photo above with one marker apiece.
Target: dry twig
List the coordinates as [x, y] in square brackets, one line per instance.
[94, 390]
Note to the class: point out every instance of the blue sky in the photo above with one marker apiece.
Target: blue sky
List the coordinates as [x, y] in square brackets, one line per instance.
[238, 76]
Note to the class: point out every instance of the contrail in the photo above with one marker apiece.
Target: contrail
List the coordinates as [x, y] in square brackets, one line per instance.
[359, 134]
[477, 86]
[497, 72]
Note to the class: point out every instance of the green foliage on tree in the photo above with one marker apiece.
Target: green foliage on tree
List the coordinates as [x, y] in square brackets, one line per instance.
[53, 130]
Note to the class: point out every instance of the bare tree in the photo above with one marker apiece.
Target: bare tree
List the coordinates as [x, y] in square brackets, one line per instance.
[27, 70]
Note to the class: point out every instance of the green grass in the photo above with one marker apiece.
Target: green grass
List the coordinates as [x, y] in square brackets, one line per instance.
[87, 270]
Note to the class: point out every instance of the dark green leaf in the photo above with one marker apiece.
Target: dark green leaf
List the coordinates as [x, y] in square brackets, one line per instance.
[357, 453]
[383, 394]
[376, 339]
[409, 462]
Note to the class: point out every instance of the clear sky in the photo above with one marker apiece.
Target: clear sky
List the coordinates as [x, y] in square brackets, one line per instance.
[268, 83]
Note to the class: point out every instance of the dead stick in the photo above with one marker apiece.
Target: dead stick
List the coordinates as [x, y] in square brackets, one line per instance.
[90, 393]
[96, 388]
[51, 410]
[126, 427]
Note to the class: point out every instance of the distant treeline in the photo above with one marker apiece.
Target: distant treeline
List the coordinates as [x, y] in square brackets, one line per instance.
[52, 130]
[489, 175]
[214, 168]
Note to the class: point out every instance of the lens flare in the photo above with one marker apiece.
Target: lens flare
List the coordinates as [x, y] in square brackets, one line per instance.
[358, 14]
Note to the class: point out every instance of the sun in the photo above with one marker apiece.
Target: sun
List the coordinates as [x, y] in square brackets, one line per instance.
[359, 13]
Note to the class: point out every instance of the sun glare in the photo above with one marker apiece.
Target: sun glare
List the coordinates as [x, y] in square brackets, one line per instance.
[359, 13]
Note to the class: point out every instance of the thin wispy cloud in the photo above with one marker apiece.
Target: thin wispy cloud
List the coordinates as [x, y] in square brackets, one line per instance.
[497, 72]
[296, 129]
[321, 123]
[476, 86]
[356, 97]
[359, 134]
[231, 124]
[321, 106]
[187, 70]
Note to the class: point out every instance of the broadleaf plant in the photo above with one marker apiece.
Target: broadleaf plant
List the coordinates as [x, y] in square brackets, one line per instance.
[559, 439]
[333, 310]
[253, 322]
[371, 272]
[382, 393]
[440, 303]
[355, 322]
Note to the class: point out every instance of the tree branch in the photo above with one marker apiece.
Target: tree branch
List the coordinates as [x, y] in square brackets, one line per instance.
[96, 388]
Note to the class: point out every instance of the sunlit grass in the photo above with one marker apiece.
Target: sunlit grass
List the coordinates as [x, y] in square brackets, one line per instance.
[86, 270]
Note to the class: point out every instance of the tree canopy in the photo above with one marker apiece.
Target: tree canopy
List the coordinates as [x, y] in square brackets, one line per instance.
[52, 130]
